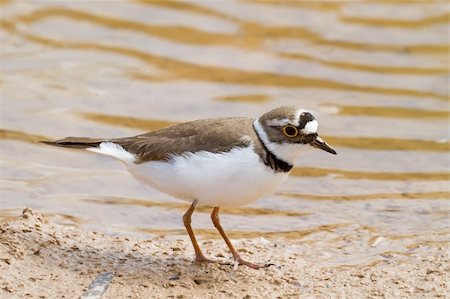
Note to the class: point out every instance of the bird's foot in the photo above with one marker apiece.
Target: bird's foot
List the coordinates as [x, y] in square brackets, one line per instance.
[203, 259]
[241, 261]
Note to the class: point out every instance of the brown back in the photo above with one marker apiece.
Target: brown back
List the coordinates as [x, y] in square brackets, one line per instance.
[213, 135]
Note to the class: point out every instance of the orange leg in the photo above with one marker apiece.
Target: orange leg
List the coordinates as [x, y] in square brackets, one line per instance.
[199, 257]
[215, 219]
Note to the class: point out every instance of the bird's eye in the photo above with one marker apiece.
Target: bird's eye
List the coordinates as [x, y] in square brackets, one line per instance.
[290, 131]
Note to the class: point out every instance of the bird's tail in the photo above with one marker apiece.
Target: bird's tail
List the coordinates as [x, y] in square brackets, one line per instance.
[100, 146]
[76, 142]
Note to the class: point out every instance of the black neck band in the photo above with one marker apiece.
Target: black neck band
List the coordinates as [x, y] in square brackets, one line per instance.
[271, 160]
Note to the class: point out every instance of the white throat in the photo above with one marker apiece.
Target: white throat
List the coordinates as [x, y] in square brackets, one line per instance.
[283, 151]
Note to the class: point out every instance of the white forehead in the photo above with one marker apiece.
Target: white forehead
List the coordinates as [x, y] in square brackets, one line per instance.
[311, 127]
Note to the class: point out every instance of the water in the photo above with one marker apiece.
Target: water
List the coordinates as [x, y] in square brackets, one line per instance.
[375, 75]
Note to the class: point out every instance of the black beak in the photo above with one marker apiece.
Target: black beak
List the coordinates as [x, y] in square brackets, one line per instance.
[320, 143]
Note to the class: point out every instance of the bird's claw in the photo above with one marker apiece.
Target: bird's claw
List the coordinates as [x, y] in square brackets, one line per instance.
[203, 259]
[239, 261]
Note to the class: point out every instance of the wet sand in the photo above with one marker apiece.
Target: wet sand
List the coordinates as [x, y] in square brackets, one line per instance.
[41, 259]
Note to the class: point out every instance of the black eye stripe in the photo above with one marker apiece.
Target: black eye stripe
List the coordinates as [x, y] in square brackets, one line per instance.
[310, 137]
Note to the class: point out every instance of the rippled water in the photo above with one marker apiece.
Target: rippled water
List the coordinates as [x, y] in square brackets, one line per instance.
[375, 75]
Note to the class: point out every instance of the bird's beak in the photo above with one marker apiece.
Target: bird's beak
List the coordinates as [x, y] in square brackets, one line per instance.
[320, 143]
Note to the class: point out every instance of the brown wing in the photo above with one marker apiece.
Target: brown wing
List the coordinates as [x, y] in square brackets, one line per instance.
[214, 135]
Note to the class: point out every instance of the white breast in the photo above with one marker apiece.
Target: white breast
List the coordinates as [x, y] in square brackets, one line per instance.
[232, 178]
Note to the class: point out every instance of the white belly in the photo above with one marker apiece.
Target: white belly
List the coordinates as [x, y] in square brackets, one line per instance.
[236, 177]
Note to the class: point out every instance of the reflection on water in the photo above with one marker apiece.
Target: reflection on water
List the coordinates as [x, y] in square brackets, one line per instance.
[182, 207]
[251, 98]
[374, 74]
[392, 112]
[212, 233]
[422, 195]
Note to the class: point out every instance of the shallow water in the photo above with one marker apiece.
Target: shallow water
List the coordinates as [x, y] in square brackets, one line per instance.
[375, 75]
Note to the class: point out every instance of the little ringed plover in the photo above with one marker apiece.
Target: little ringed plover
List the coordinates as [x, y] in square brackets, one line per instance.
[215, 162]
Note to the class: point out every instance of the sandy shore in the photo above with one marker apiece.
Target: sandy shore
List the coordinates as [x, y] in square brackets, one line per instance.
[39, 259]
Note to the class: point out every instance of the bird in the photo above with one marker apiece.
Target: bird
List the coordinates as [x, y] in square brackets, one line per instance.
[218, 162]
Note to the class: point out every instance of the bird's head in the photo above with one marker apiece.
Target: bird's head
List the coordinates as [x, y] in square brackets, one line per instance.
[286, 130]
